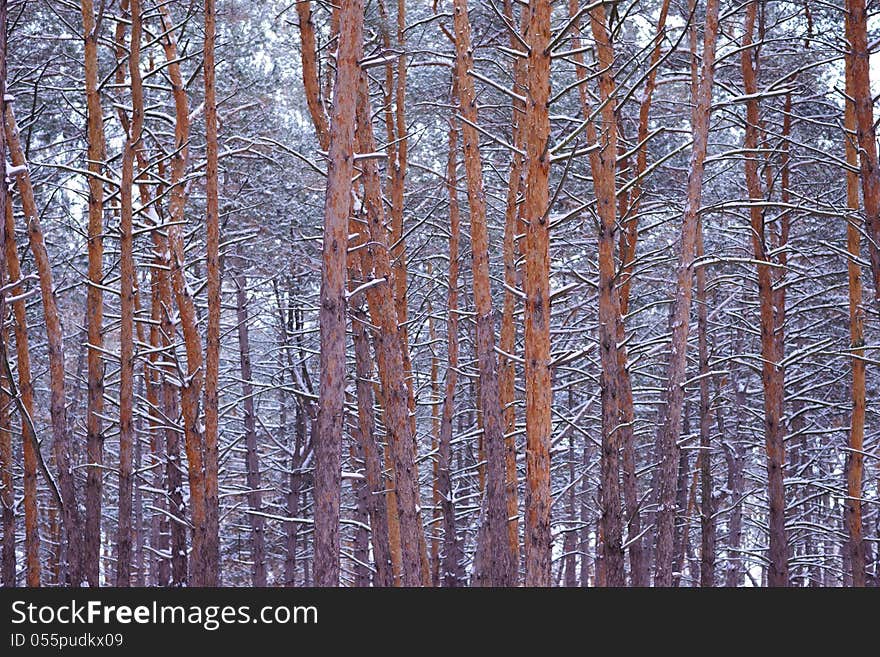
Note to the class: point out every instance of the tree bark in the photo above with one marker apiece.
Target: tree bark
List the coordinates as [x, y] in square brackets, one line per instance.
[54, 333]
[603, 163]
[191, 385]
[452, 570]
[26, 406]
[375, 479]
[310, 73]
[376, 263]
[95, 297]
[539, 389]
[333, 303]
[771, 371]
[669, 431]
[497, 565]
[707, 500]
[7, 490]
[854, 457]
[512, 280]
[255, 496]
[859, 89]
[213, 265]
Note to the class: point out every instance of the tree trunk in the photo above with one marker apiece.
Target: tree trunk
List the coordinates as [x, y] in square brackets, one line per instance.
[7, 490]
[452, 569]
[54, 334]
[376, 264]
[569, 545]
[707, 500]
[375, 478]
[669, 431]
[95, 297]
[437, 514]
[191, 385]
[255, 497]
[213, 266]
[603, 163]
[333, 303]
[735, 456]
[26, 406]
[538, 384]
[512, 280]
[771, 371]
[859, 89]
[310, 73]
[854, 457]
[127, 319]
[497, 567]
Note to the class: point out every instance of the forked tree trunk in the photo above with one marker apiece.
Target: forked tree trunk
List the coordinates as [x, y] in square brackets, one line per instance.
[57, 410]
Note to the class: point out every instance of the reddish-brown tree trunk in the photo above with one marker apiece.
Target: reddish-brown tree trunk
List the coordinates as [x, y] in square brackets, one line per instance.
[398, 151]
[512, 278]
[452, 570]
[310, 73]
[7, 490]
[538, 384]
[855, 457]
[375, 479]
[707, 500]
[604, 166]
[126, 360]
[212, 336]
[771, 371]
[496, 565]
[26, 405]
[669, 431]
[54, 334]
[94, 297]
[333, 303]
[191, 385]
[376, 264]
[859, 88]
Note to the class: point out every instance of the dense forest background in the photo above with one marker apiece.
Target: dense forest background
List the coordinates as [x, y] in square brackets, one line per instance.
[607, 314]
